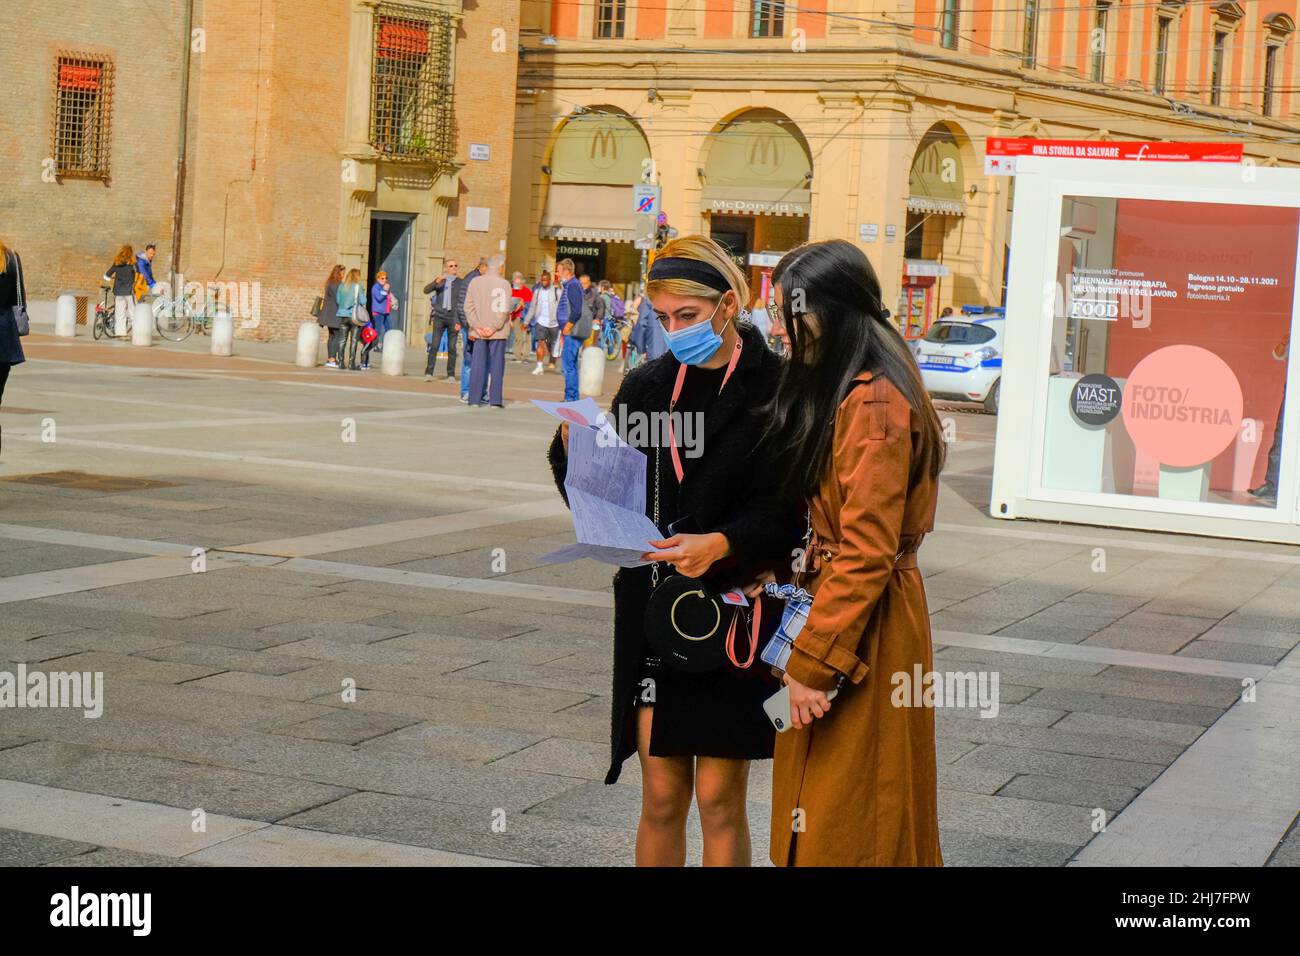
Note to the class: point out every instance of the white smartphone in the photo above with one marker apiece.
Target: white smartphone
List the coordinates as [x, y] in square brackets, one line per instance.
[777, 707]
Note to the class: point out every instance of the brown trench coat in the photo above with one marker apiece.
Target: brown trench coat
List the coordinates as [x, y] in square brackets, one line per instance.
[865, 775]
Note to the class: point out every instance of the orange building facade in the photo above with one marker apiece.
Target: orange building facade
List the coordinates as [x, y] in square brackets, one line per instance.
[766, 124]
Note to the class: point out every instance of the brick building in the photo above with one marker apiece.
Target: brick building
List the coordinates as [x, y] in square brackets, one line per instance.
[371, 133]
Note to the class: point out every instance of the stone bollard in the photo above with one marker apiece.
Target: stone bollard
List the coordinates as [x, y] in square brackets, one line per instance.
[223, 333]
[142, 324]
[394, 352]
[591, 371]
[65, 316]
[308, 344]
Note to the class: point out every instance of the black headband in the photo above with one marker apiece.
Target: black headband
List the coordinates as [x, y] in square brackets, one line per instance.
[678, 267]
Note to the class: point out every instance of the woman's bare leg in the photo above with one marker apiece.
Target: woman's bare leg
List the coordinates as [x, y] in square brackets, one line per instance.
[665, 801]
[720, 787]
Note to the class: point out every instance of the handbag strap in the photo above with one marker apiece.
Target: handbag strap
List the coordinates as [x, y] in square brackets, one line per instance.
[22, 291]
[754, 622]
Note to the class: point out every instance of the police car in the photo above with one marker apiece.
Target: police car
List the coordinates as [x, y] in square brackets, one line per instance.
[961, 356]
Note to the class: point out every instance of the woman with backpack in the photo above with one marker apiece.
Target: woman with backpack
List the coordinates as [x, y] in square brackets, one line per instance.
[121, 276]
[350, 297]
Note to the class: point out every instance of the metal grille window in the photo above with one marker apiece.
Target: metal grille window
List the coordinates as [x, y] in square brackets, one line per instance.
[83, 114]
[768, 19]
[411, 114]
[611, 15]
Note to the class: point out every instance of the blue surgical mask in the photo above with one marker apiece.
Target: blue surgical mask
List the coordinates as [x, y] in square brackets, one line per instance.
[696, 343]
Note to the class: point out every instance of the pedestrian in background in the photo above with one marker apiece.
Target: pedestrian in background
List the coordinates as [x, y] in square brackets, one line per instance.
[13, 296]
[144, 269]
[543, 323]
[855, 434]
[652, 336]
[351, 293]
[121, 276]
[444, 294]
[461, 293]
[488, 305]
[1269, 488]
[382, 301]
[593, 309]
[518, 343]
[329, 316]
[570, 318]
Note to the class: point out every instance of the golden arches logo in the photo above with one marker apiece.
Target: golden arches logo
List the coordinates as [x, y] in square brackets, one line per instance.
[604, 147]
[764, 153]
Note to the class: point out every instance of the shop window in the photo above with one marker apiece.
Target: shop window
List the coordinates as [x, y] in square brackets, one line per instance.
[411, 90]
[83, 114]
[611, 16]
[768, 19]
[1167, 373]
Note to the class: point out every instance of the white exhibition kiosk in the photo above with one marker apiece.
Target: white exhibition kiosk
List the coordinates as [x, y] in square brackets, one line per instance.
[1148, 376]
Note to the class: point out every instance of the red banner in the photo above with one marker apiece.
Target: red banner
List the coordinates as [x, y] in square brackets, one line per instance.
[1127, 150]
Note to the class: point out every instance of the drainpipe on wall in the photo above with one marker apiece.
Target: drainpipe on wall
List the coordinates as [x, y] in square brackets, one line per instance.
[187, 41]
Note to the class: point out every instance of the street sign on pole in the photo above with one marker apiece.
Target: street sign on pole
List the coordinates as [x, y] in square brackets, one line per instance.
[645, 199]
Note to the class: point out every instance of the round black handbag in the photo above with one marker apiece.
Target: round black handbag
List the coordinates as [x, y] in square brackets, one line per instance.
[686, 624]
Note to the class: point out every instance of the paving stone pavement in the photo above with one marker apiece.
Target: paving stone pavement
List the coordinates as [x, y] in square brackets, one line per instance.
[457, 712]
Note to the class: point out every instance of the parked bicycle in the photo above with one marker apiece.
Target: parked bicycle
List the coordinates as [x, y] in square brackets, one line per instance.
[177, 322]
[105, 315]
[611, 338]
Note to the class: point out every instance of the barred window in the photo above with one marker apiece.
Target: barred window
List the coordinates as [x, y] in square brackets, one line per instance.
[83, 114]
[768, 19]
[411, 114]
[611, 15]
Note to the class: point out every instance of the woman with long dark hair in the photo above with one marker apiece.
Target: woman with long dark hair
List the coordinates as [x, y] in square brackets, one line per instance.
[724, 521]
[855, 434]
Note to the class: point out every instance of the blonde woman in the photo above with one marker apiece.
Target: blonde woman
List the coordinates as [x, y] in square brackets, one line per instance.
[351, 293]
[121, 276]
[12, 295]
[723, 521]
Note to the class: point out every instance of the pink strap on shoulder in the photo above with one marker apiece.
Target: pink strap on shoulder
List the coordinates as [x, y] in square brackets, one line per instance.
[677, 393]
